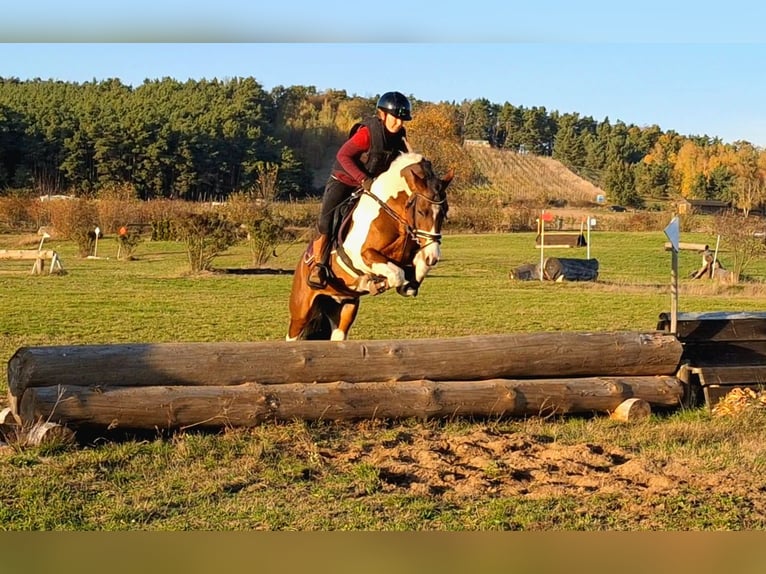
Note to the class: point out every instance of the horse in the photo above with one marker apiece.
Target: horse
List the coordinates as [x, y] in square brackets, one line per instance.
[390, 239]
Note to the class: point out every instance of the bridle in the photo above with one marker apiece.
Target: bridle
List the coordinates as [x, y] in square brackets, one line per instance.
[411, 228]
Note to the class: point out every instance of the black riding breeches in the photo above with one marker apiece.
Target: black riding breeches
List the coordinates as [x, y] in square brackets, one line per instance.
[335, 193]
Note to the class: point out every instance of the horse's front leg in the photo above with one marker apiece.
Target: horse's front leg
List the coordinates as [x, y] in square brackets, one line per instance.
[380, 265]
[346, 317]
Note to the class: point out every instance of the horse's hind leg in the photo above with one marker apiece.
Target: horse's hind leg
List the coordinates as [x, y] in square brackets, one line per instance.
[301, 306]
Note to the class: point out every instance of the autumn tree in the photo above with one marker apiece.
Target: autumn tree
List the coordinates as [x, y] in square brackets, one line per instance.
[434, 132]
[749, 174]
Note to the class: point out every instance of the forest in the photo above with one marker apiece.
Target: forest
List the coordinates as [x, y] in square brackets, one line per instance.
[207, 139]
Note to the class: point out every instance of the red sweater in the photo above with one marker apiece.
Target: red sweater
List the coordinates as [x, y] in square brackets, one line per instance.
[349, 157]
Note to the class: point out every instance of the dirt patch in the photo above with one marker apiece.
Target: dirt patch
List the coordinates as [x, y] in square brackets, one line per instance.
[486, 462]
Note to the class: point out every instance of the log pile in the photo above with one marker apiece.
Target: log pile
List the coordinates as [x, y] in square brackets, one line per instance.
[183, 385]
[558, 269]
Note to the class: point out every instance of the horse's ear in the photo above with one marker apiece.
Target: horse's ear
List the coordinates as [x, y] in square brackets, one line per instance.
[414, 175]
[448, 178]
[414, 169]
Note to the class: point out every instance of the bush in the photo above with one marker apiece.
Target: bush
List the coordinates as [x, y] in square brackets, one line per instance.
[75, 220]
[128, 240]
[118, 206]
[206, 235]
[264, 233]
[741, 236]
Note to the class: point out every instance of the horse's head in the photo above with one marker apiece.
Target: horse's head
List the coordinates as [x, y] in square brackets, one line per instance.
[427, 206]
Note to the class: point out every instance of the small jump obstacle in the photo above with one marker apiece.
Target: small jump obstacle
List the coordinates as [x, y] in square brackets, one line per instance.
[557, 269]
[39, 258]
[166, 386]
[185, 385]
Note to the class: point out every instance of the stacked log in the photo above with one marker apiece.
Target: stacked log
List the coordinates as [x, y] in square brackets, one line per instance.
[558, 269]
[181, 385]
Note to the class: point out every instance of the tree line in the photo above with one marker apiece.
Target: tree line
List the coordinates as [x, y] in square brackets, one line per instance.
[207, 139]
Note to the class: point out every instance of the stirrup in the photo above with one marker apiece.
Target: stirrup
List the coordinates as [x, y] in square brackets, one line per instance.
[317, 278]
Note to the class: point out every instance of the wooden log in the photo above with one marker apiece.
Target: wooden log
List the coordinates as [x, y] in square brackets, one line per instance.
[525, 272]
[684, 246]
[522, 355]
[250, 404]
[631, 410]
[554, 239]
[566, 269]
[8, 418]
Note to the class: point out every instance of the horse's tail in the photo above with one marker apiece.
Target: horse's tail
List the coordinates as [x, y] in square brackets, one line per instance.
[318, 328]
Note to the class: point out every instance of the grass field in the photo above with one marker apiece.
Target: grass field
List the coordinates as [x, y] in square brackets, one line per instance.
[690, 471]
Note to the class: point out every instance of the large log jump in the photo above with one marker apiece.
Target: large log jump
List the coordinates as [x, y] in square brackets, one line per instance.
[182, 385]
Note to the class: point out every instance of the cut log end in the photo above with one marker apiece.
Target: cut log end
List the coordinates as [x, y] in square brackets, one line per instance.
[44, 434]
[8, 418]
[632, 410]
[9, 424]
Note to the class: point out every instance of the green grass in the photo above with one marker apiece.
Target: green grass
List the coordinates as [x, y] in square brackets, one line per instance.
[281, 477]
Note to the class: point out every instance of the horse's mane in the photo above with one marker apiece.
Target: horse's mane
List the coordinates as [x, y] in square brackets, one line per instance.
[391, 180]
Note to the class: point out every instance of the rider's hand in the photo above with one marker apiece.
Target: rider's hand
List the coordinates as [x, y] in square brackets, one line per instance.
[367, 183]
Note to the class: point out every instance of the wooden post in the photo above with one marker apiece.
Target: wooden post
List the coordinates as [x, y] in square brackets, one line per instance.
[542, 243]
[674, 291]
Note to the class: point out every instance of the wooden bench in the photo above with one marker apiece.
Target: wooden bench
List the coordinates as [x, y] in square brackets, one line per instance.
[721, 351]
[38, 256]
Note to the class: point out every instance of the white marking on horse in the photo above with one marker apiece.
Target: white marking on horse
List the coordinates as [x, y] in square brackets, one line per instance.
[386, 185]
[428, 256]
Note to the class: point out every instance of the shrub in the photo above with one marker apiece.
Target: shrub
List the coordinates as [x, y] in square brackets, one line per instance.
[261, 221]
[14, 214]
[742, 236]
[128, 240]
[75, 220]
[161, 215]
[205, 236]
[264, 233]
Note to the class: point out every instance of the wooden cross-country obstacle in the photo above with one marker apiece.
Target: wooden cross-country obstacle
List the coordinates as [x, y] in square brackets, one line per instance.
[722, 351]
[183, 385]
[557, 269]
[39, 258]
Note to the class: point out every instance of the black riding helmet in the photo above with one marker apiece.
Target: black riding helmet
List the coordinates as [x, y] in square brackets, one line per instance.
[396, 104]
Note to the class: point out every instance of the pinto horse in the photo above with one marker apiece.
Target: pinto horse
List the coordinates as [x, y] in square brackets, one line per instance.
[390, 240]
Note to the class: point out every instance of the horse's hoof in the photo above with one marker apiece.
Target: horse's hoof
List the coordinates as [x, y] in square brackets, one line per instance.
[407, 290]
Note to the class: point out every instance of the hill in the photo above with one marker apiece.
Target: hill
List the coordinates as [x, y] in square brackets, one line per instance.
[520, 177]
[528, 177]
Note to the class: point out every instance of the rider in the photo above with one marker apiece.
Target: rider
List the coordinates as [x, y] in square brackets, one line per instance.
[365, 155]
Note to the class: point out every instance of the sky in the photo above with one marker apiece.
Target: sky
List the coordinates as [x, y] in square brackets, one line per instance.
[679, 65]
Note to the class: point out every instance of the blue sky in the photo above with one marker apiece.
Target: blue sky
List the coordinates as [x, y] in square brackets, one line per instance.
[683, 67]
